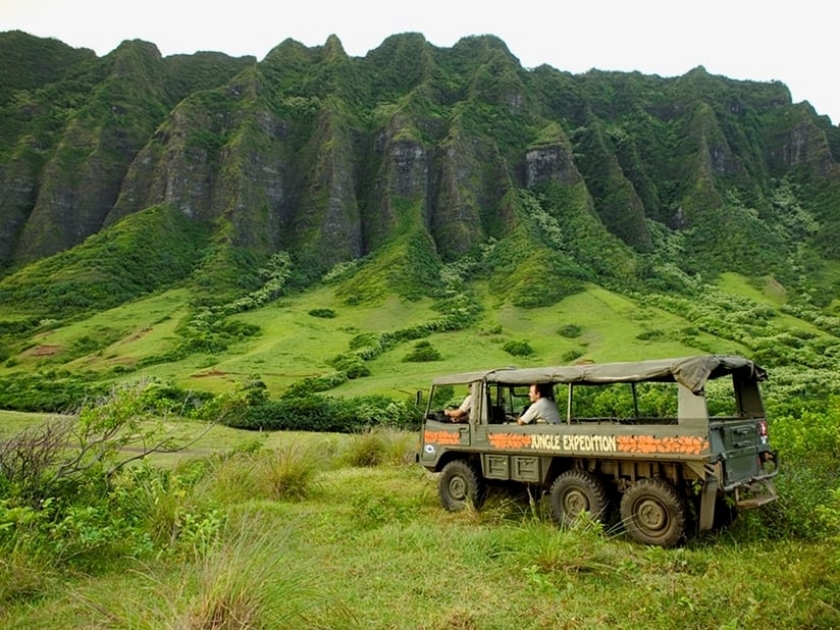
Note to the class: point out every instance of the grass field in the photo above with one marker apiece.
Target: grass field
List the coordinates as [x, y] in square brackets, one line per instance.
[370, 547]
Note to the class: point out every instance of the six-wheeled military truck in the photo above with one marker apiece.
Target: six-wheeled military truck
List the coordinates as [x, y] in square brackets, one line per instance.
[675, 445]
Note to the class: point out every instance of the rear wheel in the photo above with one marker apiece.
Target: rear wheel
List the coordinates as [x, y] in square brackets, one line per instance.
[575, 492]
[460, 485]
[654, 513]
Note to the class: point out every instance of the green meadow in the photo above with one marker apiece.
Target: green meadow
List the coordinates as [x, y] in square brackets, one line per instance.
[293, 344]
[340, 531]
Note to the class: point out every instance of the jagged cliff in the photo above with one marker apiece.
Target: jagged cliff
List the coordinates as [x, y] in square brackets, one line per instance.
[413, 148]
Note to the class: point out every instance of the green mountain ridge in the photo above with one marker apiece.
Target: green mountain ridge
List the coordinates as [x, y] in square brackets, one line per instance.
[310, 148]
[449, 179]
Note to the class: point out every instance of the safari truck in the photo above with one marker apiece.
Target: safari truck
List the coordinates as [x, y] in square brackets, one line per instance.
[675, 445]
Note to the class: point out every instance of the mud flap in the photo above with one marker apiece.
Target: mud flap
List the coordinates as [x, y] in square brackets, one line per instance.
[708, 499]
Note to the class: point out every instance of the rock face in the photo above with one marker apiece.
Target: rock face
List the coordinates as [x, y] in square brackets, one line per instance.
[331, 157]
[551, 164]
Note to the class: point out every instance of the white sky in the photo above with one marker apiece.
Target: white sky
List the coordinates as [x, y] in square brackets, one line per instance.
[794, 43]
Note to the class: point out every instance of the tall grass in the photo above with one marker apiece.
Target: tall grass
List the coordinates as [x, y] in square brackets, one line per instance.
[287, 472]
[24, 575]
[340, 532]
[248, 578]
[380, 445]
[290, 472]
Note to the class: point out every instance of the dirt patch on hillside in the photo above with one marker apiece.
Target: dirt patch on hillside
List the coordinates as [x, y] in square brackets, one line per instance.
[140, 334]
[45, 351]
[209, 373]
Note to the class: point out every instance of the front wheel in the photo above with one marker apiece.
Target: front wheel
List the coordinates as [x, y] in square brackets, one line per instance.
[460, 484]
[654, 513]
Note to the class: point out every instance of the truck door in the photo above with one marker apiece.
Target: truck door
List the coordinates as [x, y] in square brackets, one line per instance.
[737, 441]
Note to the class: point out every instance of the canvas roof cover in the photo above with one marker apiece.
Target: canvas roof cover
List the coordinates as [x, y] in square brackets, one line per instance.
[693, 372]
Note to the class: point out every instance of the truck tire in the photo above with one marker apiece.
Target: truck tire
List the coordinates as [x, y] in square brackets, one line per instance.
[577, 491]
[460, 485]
[654, 513]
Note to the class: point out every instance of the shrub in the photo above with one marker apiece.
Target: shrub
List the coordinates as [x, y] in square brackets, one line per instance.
[571, 355]
[326, 313]
[312, 384]
[443, 394]
[518, 348]
[304, 412]
[253, 390]
[570, 331]
[49, 391]
[69, 492]
[808, 484]
[650, 335]
[162, 398]
[370, 345]
[422, 352]
[350, 364]
[157, 496]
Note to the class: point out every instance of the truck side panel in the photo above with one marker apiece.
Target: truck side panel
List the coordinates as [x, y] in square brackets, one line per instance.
[439, 437]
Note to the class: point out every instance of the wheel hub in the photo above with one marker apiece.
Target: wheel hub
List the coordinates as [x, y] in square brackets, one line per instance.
[458, 488]
[574, 503]
[651, 515]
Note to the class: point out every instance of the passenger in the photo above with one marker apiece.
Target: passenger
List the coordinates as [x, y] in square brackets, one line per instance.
[542, 408]
[462, 413]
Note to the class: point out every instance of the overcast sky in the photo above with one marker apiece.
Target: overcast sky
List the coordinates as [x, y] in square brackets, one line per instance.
[740, 39]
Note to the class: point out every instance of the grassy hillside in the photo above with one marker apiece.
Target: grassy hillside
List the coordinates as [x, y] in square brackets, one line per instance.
[141, 254]
[294, 342]
[112, 312]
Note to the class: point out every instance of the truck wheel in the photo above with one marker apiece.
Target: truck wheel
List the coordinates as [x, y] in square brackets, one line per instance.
[460, 484]
[653, 512]
[577, 491]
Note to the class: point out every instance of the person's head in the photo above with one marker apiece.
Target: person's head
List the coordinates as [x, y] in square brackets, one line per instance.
[539, 390]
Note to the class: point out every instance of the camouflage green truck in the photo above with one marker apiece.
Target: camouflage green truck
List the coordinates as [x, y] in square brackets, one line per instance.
[675, 445]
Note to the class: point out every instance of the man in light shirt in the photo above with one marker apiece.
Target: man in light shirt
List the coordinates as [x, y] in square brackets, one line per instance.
[542, 408]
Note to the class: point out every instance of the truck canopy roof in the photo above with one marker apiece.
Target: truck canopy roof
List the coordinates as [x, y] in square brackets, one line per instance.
[693, 372]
